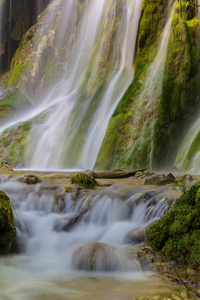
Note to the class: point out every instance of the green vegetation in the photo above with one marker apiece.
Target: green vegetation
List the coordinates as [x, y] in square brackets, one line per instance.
[152, 22]
[179, 100]
[84, 181]
[7, 226]
[148, 124]
[11, 102]
[176, 235]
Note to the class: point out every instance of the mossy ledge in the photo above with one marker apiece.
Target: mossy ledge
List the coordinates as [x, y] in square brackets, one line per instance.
[7, 226]
[176, 235]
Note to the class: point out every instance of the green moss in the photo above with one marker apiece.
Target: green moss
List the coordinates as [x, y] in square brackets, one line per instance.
[176, 235]
[84, 181]
[194, 148]
[152, 22]
[179, 100]
[7, 226]
[17, 148]
[19, 70]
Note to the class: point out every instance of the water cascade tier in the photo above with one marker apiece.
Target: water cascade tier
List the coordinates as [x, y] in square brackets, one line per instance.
[68, 234]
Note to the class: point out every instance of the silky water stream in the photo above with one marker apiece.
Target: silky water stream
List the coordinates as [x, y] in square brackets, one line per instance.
[82, 246]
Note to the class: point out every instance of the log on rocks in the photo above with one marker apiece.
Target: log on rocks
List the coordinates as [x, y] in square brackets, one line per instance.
[116, 174]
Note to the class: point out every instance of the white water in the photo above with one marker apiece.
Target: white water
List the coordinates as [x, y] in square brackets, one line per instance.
[62, 144]
[47, 250]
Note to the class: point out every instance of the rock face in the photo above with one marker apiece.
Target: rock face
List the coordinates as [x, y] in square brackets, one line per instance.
[17, 18]
[7, 226]
[132, 139]
[176, 235]
[12, 101]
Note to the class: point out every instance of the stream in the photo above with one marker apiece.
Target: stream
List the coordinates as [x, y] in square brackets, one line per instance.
[83, 245]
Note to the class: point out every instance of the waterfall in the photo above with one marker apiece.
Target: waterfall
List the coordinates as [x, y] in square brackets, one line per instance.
[98, 70]
[52, 226]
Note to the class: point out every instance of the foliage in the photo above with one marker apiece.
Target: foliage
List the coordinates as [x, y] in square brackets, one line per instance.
[176, 235]
[84, 181]
[7, 226]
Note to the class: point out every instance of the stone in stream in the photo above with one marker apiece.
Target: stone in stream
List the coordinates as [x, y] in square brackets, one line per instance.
[85, 181]
[101, 257]
[29, 179]
[5, 166]
[136, 237]
[160, 179]
[7, 226]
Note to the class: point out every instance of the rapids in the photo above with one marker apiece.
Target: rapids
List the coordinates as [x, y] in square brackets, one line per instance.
[47, 241]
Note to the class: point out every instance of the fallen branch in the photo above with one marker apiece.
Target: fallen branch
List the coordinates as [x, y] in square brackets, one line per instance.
[116, 174]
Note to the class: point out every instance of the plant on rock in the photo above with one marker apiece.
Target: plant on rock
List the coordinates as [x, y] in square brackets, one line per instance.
[84, 181]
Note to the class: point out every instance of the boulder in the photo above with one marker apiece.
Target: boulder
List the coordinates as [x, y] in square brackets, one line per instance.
[160, 179]
[84, 181]
[7, 226]
[136, 237]
[66, 224]
[6, 166]
[29, 179]
[97, 256]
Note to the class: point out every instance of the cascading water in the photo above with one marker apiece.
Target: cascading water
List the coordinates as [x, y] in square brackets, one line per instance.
[60, 235]
[84, 100]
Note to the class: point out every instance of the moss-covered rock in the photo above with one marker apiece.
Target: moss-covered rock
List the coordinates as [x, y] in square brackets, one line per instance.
[12, 101]
[147, 125]
[176, 235]
[7, 226]
[85, 181]
[160, 179]
[97, 257]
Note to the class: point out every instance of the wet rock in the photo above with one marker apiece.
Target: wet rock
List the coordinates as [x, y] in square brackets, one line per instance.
[21, 179]
[160, 179]
[60, 201]
[29, 179]
[85, 181]
[140, 175]
[32, 179]
[135, 237]
[7, 226]
[66, 224]
[11, 102]
[6, 166]
[187, 178]
[68, 189]
[96, 257]
[90, 173]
